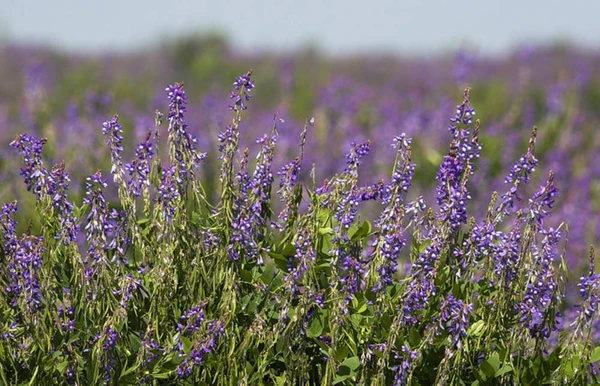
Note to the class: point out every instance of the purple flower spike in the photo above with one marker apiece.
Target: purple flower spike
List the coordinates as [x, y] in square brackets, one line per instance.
[455, 318]
[182, 144]
[114, 131]
[139, 168]
[34, 174]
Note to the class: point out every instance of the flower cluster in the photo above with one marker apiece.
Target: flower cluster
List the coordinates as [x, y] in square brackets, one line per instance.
[114, 132]
[69, 226]
[455, 318]
[34, 174]
[139, 168]
[98, 224]
[24, 267]
[168, 194]
[243, 86]
[182, 144]
[589, 290]
[541, 288]
[457, 167]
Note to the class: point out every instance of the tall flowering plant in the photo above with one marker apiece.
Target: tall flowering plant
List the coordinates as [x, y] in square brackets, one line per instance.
[163, 286]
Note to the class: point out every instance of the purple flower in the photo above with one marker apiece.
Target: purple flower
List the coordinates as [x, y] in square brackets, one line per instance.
[193, 318]
[401, 370]
[7, 225]
[505, 255]
[353, 158]
[589, 290]
[542, 202]
[519, 173]
[540, 293]
[227, 138]
[34, 174]
[168, 194]
[203, 345]
[390, 241]
[120, 239]
[250, 206]
[65, 313]
[457, 167]
[482, 239]
[182, 144]
[455, 318]
[114, 131]
[416, 297]
[464, 113]
[177, 102]
[128, 286]
[109, 344]
[110, 339]
[287, 190]
[59, 184]
[404, 169]
[390, 248]
[98, 224]
[298, 266]
[243, 85]
[23, 268]
[139, 168]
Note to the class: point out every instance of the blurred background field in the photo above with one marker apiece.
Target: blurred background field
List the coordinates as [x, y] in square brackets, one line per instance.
[353, 93]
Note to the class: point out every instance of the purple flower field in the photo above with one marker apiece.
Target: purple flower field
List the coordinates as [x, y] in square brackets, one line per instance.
[171, 217]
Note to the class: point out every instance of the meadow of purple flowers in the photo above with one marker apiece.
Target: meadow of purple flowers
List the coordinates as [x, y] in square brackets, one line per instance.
[176, 262]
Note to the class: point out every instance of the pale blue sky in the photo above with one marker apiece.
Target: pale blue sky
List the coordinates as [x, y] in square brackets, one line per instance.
[336, 26]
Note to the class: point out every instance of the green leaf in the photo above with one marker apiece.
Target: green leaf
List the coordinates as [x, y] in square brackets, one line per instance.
[325, 231]
[289, 250]
[78, 212]
[414, 338]
[326, 245]
[341, 353]
[504, 370]
[595, 355]
[280, 380]
[277, 281]
[268, 273]
[135, 342]
[476, 328]
[196, 219]
[362, 308]
[491, 365]
[347, 370]
[315, 326]
[423, 246]
[246, 275]
[322, 266]
[353, 363]
[62, 367]
[143, 221]
[187, 344]
[359, 232]
[128, 371]
[280, 261]
[343, 373]
[357, 320]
